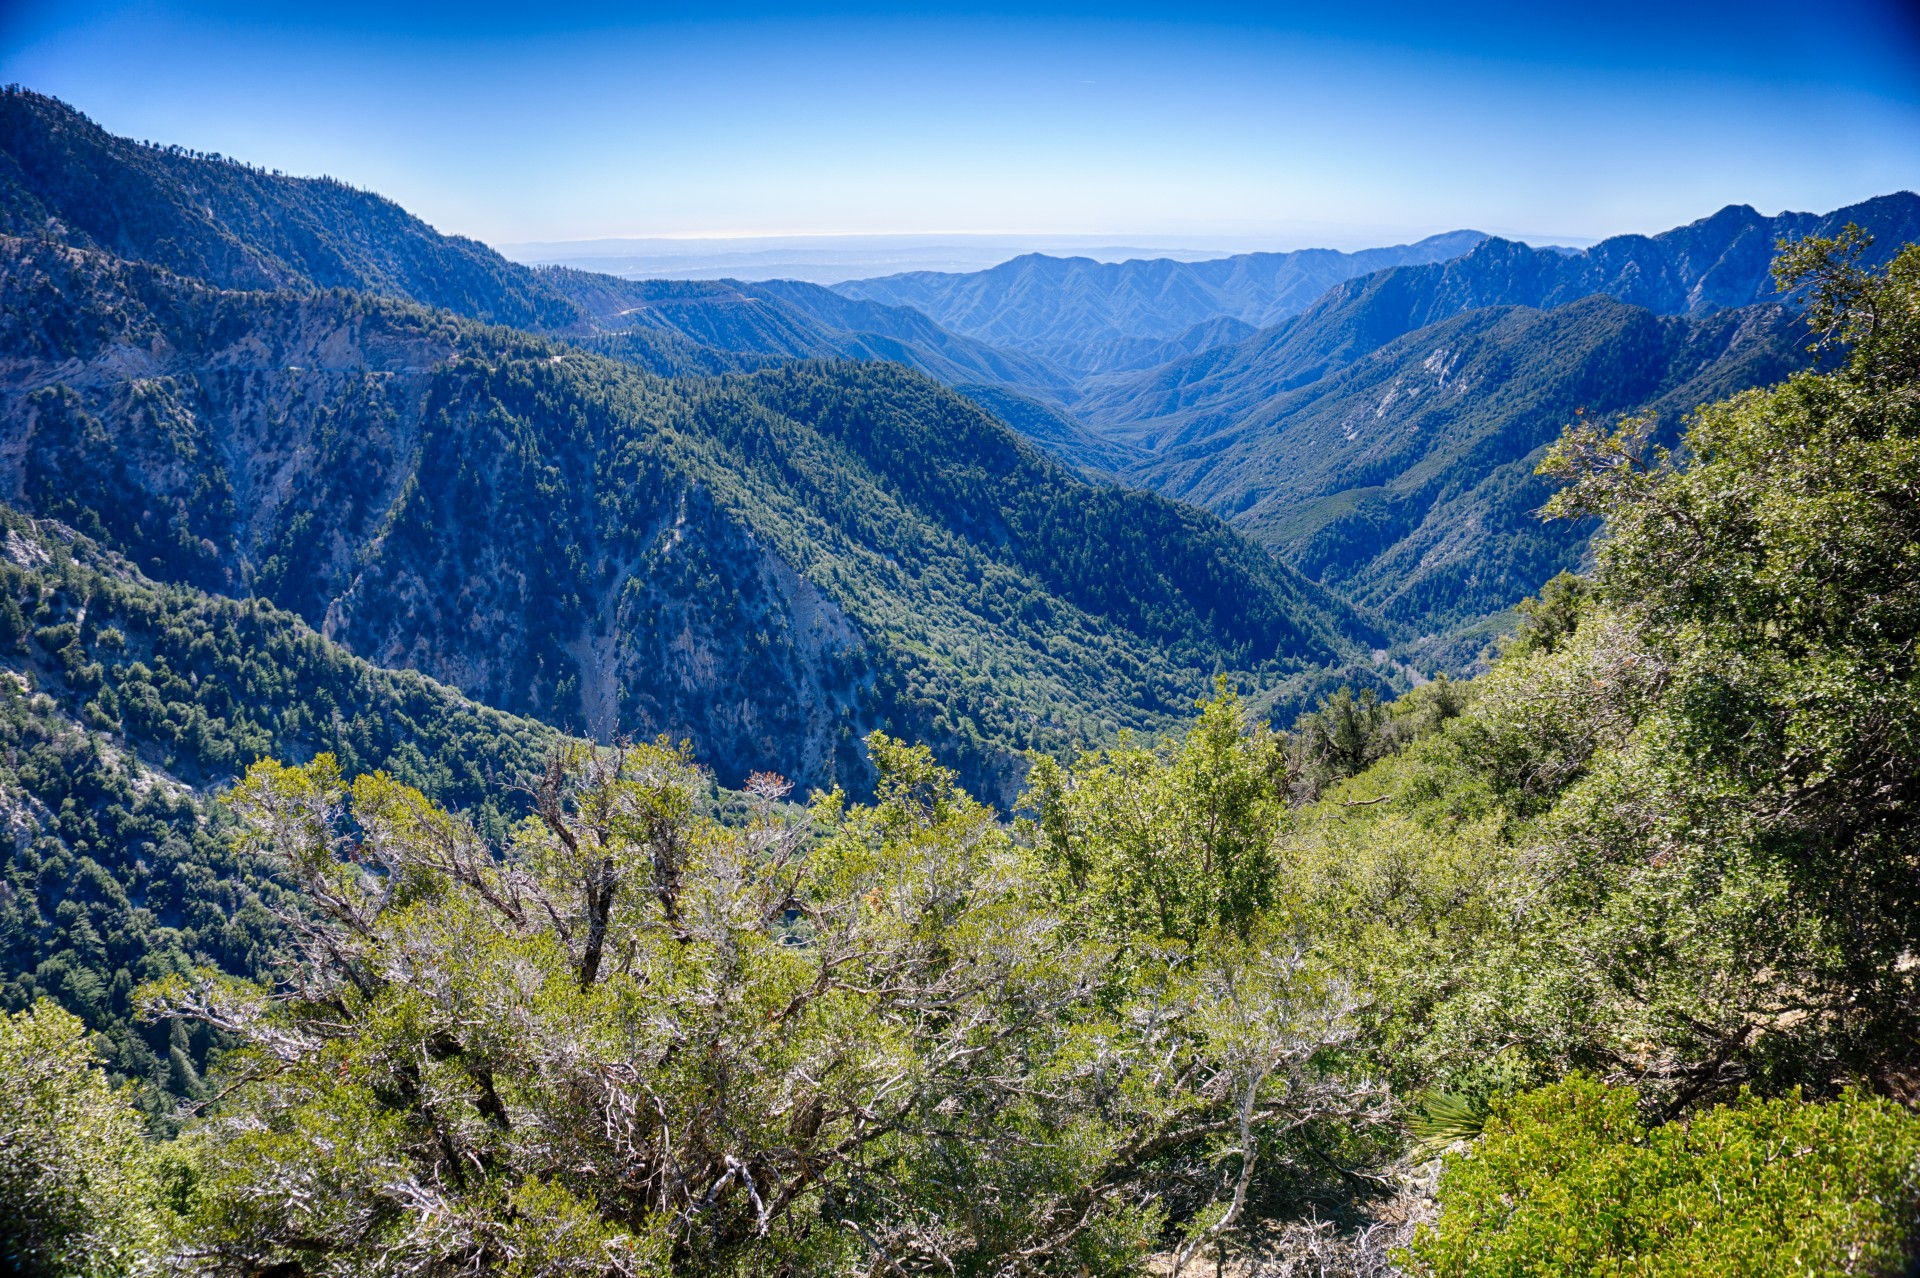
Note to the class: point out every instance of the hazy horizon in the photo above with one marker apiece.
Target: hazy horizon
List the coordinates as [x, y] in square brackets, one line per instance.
[832, 259]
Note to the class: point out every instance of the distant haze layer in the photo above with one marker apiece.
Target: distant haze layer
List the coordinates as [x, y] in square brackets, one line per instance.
[832, 259]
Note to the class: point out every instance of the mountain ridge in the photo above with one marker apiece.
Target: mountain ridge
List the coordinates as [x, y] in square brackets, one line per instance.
[1406, 480]
[784, 319]
[238, 226]
[65, 178]
[1718, 261]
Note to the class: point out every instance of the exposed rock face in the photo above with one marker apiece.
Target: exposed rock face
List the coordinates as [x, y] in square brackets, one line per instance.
[690, 628]
[661, 655]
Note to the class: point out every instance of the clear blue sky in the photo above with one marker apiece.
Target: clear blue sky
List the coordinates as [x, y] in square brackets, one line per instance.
[1342, 123]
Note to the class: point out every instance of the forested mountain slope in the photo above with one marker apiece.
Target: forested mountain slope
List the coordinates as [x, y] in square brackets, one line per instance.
[122, 702]
[769, 563]
[1092, 317]
[63, 176]
[1054, 429]
[1383, 440]
[1406, 480]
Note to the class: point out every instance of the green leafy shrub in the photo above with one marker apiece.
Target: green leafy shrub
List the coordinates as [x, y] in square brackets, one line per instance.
[121, 704]
[1568, 1180]
[78, 1191]
[1174, 840]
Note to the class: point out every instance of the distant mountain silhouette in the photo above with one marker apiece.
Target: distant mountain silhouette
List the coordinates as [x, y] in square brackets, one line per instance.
[705, 326]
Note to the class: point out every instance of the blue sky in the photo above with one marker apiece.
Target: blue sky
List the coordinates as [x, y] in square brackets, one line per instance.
[1343, 123]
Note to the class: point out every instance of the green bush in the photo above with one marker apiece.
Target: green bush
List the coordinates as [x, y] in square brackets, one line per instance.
[1568, 1180]
[79, 1195]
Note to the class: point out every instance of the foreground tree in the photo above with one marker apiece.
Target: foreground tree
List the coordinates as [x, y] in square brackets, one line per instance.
[634, 1041]
[1171, 840]
[1751, 811]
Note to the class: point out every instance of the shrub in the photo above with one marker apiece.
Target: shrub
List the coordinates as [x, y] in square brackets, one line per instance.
[1568, 1180]
[78, 1194]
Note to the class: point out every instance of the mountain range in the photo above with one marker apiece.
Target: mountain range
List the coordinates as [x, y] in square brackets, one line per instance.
[1713, 264]
[1383, 441]
[65, 178]
[1372, 419]
[1091, 317]
[1374, 441]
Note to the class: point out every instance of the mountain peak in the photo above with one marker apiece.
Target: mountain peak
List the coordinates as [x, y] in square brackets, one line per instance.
[243, 227]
